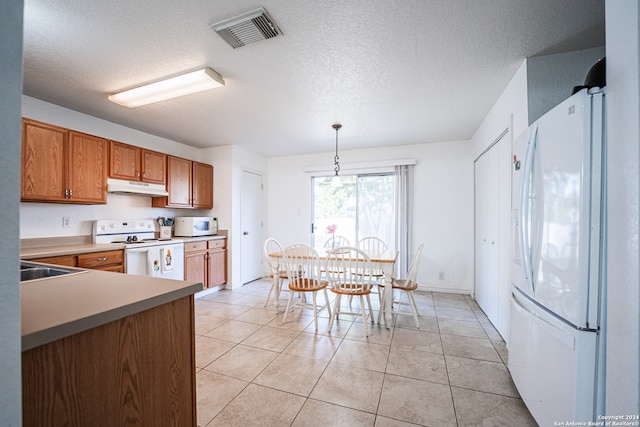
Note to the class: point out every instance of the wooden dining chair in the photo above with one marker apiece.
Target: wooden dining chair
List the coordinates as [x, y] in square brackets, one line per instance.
[303, 266]
[336, 241]
[276, 269]
[404, 286]
[349, 273]
[372, 245]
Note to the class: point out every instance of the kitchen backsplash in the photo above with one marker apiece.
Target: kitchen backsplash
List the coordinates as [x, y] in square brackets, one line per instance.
[50, 219]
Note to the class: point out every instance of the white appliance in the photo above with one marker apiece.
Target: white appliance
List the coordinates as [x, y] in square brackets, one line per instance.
[193, 226]
[135, 187]
[555, 344]
[144, 254]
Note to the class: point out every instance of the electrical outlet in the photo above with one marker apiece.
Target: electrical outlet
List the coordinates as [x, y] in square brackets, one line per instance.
[441, 275]
[66, 222]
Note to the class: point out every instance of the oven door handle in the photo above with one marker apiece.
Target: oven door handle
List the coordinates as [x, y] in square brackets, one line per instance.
[135, 250]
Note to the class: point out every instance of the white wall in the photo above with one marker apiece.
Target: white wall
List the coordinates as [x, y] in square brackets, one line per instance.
[45, 219]
[511, 107]
[623, 242]
[551, 78]
[229, 162]
[10, 92]
[443, 205]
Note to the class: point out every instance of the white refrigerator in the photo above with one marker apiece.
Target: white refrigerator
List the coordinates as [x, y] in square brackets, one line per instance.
[555, 339]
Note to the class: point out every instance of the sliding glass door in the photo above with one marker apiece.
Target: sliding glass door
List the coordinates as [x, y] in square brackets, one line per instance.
[362, 205]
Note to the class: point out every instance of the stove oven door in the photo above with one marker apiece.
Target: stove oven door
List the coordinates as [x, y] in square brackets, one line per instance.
[170, 261]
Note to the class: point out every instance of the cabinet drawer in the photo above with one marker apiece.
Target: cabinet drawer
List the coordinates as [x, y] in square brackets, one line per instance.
[195, 246]
[217, 244]
[98, 259]
[66, 260]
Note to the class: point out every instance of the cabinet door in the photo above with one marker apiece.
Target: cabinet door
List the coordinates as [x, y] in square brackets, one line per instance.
[43, 162]
[202, 186]
[194, 267]
[179, 181]
[217, 264]
[154, 167]
[124, 161]
[87, 168]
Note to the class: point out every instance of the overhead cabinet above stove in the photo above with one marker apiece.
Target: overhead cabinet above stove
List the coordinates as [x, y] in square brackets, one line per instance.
[137, 164]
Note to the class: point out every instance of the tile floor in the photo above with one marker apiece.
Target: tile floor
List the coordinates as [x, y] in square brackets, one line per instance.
[252, 370]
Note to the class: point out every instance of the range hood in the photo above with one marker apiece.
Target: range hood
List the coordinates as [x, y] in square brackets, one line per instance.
[135, 187]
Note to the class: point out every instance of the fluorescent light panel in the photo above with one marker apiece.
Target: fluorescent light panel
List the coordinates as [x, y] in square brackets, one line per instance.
[184, 84]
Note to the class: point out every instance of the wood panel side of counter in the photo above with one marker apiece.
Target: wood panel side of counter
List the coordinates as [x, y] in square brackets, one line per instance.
[139, 370]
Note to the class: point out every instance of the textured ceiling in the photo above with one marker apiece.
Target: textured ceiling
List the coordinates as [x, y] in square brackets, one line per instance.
[393, 72]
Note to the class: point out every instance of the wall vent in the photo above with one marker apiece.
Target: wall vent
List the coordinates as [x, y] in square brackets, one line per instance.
[247, 28]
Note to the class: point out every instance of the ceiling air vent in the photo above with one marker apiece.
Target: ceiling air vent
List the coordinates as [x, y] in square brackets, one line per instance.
[247, 28]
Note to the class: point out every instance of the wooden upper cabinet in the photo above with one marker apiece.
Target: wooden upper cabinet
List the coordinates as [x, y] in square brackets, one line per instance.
[59, 165]
[154, 167]
[179, 181]
[189, 183]
[136, 164]
[124, 161]
[87, 168]
[44, 154]
[202, 186]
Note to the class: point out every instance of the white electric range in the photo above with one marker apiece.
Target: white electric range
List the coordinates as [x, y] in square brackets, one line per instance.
[144, 253]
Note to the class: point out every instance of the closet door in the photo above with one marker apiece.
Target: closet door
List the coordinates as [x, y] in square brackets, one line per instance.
[493, 232]
[486, 233]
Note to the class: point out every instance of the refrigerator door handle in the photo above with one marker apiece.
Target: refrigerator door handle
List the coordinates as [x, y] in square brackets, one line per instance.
[563, 337]
[525, 188]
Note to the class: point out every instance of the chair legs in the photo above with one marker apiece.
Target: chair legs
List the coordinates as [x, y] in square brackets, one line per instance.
[303, 303]
[266, 302]
[363, 311]
[411, 304]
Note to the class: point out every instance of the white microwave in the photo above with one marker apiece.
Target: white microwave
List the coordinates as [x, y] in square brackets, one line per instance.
[193, 226]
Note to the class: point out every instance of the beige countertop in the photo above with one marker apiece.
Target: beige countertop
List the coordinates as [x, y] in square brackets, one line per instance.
[57, 307]
[73, 245]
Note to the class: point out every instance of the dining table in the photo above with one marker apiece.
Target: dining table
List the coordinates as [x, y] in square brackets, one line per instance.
[382, 261]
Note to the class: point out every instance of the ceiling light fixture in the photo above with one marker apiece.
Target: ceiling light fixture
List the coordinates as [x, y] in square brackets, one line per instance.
[173, 87]
[336, 159]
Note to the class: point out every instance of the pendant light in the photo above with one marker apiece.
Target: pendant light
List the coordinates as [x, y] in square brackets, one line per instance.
[336, 182]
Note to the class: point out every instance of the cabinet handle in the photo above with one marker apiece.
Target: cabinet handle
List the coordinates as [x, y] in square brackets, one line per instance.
[138, 174]
[66, 193]
[71, 194]
[103, 258]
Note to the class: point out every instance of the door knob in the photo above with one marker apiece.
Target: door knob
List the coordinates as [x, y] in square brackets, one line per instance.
[246, 233]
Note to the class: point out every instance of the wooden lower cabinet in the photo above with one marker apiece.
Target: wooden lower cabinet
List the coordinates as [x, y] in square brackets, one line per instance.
[139, 370]
[195, 261]
[205, 261]
[105, 260]
[216, 262]
[66, 260]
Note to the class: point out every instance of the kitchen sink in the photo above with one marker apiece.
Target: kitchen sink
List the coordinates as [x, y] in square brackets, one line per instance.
[33, 271]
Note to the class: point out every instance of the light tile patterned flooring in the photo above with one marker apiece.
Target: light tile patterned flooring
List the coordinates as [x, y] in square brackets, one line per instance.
[252, 370]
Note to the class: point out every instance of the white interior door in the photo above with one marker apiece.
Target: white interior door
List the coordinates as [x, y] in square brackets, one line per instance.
[251, 226]
[486, 211]
[492, 231]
